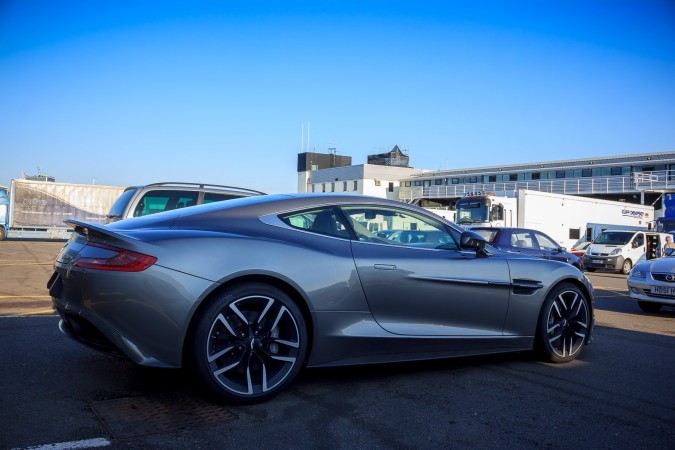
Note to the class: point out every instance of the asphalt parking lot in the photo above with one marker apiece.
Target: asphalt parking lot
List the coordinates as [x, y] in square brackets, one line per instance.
[619, 394]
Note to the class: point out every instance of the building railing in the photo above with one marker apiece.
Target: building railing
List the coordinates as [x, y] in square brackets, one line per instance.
[639, 181]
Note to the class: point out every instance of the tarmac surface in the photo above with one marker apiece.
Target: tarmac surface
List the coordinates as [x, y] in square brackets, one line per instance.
[619, 394]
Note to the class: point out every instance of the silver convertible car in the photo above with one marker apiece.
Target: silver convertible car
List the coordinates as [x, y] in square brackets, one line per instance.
[249, 291]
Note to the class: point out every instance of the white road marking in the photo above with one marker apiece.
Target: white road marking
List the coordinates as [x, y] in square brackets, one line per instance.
[87, 443]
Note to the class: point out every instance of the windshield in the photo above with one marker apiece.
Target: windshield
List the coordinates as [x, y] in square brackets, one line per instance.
[117, 209]
[471, 211]
[614, 237]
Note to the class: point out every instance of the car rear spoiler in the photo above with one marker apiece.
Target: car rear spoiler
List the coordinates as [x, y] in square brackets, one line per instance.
[97, 230]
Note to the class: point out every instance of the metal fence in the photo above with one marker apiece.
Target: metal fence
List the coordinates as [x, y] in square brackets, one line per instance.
[658, 181]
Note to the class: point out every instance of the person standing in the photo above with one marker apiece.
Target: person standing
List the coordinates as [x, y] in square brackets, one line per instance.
[669, 244]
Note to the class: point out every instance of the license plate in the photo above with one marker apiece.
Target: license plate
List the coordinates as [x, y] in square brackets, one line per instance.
[664, 290]
[596, 261]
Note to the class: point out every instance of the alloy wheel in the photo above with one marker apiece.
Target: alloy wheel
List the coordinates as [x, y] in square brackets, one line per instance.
[253, 345]
[567, 324]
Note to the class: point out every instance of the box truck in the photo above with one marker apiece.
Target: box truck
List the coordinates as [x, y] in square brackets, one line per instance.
[566, 218]
[37, 209]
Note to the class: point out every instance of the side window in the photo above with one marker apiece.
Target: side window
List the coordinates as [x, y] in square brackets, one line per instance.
[164, 200]
[210, 197]
[545, 243]
[327, 221]
[639, 240]
[395, 226]
[522, 240]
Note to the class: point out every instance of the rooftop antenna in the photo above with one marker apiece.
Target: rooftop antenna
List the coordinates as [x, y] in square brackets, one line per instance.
[302, 137]
[332, 150]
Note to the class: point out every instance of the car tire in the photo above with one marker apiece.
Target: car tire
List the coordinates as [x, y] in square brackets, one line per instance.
[626, 266]
[564, 324]
[650, 307]
[249, 343]
[589, 269]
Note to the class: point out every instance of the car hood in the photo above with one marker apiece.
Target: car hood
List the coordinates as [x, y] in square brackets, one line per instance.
[663, 265]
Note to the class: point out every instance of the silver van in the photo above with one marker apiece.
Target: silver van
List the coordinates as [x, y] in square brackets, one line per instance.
[137, 201]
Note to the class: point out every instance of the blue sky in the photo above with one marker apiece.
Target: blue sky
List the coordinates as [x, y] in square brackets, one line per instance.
[128, 92]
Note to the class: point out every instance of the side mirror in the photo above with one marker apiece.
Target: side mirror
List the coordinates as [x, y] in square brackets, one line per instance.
[669, 251]
[472, 240]
[635, 244]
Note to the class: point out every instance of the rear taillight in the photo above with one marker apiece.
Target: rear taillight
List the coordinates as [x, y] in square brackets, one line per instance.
[105, 257]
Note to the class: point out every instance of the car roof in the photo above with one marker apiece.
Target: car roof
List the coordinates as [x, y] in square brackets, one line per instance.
[260, 205]
[195, 186]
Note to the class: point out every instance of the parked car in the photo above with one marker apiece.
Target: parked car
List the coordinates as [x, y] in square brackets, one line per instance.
[249, 291]
[525, 241]
[138, 201]
[652, 283]
[580, 249]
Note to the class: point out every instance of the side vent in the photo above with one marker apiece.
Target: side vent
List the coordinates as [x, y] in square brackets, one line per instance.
[526, 287]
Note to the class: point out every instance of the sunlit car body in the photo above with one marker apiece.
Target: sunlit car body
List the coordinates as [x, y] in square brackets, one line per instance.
[247, 292]
[652, 283]
[529, 242]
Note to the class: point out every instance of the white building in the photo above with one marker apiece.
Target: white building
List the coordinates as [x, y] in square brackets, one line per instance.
[365, 179]
[320, 172]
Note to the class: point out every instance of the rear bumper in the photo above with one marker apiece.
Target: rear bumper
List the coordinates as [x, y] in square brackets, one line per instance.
[93, 333]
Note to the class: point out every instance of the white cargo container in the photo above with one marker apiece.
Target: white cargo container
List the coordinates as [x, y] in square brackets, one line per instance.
[38, 208]
[566, 218]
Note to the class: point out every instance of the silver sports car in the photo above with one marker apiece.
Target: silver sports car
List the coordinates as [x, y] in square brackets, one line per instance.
[247, 292]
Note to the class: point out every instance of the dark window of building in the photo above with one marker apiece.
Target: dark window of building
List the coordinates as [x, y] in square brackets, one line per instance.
[438, 181]
[473, 180]
[455, 181]
[391, 187]
[616, 170]
[513, 177]
[560, 174]
[407, 183]
[575, 233]
[492, 178]
[587, 173]
[536, 176]
[418, 183]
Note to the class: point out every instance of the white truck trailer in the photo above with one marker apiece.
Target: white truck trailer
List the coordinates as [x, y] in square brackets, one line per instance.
[566, 218]
[37, 209]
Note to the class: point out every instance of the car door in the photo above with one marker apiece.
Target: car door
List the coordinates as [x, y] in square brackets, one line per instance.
[548, 247]
[425, 288]
[520, 241]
